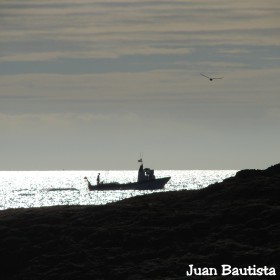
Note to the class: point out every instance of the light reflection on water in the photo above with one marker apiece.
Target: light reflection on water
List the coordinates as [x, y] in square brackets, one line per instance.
[25, 189]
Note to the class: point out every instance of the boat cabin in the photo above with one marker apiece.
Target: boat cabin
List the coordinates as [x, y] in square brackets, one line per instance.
[145, 174]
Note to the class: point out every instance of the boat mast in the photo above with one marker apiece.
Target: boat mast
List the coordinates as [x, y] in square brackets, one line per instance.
[140, 158]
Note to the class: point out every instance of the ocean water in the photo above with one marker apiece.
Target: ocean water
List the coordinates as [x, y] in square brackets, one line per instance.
[26, 189]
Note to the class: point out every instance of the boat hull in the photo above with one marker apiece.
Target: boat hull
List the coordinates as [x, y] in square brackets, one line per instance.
[153, 184]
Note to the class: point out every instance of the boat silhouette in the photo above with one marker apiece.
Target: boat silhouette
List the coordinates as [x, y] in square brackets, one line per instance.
[146, 181]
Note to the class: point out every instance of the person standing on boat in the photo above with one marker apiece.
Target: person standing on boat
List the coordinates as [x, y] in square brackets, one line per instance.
[98, 179]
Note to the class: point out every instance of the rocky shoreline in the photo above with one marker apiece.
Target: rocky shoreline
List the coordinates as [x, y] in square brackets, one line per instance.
[156, 236]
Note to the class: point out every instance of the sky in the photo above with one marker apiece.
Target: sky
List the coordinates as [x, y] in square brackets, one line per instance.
[94, 84]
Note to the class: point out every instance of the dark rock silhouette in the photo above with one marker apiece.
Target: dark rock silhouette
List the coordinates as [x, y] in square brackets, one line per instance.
[156, 236]
[271, 171]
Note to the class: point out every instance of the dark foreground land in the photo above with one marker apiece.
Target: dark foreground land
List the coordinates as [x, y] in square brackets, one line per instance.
[236, 222]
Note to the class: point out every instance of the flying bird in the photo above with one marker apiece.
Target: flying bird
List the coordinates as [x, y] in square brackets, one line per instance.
[211, 78]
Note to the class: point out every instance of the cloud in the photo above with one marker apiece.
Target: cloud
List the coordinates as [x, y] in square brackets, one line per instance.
[233, 51]
[149, 93]
[58, 120]
[107, 29]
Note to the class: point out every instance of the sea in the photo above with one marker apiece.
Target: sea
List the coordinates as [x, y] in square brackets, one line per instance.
[28, 189]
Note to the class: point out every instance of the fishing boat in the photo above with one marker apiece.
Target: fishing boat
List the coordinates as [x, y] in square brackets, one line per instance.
[146, 181]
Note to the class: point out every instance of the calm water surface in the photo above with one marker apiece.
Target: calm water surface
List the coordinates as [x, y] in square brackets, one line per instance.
[25, 189]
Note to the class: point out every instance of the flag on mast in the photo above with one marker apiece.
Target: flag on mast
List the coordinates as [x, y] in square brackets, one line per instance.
[140, 160]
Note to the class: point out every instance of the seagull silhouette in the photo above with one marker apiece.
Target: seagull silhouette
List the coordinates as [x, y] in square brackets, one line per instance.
[210, 78]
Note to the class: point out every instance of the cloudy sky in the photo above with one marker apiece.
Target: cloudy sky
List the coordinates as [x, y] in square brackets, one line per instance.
[91, 84]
